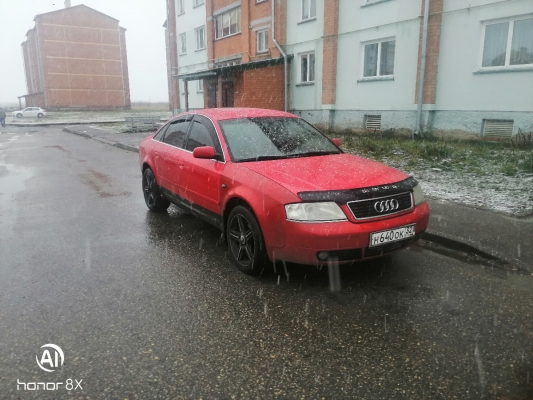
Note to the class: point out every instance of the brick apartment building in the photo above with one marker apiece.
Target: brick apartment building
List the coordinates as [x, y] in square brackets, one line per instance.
[76, 58]
[241, 66]
[364, 64]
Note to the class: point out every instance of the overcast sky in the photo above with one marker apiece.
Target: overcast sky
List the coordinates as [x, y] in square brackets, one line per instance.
[145, 43]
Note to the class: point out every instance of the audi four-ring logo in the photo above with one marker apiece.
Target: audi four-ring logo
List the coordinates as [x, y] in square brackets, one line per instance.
[386, 205]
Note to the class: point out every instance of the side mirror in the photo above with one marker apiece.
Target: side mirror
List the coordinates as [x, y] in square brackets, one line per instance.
[336, 141]
[206, 152]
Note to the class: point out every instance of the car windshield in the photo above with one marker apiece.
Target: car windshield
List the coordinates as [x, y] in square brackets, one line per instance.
[257, 139]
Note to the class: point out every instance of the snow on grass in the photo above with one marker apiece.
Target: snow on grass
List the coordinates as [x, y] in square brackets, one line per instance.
[493, 176]
[497, 192]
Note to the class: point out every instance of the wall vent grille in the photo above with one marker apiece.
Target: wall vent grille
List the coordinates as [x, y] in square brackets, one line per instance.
[496, 128]
[373, 122]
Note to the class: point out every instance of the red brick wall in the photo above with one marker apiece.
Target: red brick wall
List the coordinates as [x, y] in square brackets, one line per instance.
[172, 55]
[245, 43]
[261, 88]
[329, 58]
[83, 59]
[432, 54]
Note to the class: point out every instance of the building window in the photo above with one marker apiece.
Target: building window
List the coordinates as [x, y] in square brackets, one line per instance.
[259, 1]
[262, 41]
[307, 67]
[508, 43]
[183, 43]
[228, 24]
[200, 38]
[308, 9]
[181, 7]
[196, 3]
[379, 59]
[200, 85]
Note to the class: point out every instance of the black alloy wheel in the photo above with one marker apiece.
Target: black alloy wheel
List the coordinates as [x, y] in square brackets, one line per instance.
[152, 196]
[245, 241]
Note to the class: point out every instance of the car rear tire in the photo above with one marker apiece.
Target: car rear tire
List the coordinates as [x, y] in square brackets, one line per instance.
[40, 115]
[245, 241]
[19, 115]
[152, 196]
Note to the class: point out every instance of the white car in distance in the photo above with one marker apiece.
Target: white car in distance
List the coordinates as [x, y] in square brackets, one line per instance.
[29, 112]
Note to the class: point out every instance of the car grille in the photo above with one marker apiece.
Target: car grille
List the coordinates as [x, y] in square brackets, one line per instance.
[363, 209]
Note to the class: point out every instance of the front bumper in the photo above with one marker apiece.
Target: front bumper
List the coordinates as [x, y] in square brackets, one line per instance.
[345, 241]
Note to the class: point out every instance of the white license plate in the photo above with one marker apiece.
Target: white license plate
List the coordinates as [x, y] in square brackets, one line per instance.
[391, 235]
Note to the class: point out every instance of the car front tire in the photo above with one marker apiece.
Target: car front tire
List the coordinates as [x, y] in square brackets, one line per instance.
[40, 115]
[152, 195]
[19, 115]
[245, 241]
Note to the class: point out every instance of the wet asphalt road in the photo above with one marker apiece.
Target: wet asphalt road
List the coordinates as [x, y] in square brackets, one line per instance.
[148, 306]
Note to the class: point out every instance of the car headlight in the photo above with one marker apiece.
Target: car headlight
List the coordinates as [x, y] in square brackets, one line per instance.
[314, 212]
[418, 195]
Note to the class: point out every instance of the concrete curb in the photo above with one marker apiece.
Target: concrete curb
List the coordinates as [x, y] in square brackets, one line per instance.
[126, 147]
[69, 130]
[29, 125]
[457, 245]
[103, 140]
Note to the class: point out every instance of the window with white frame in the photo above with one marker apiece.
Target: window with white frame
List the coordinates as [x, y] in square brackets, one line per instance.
[200, 38]
[200, 85]
[197, 3]
[183, 43]
[307, 67]
[379, 59]
[508, 43]
[308, 9]
[228, 24]
[259, 1]
[262, 41]
[181, 6]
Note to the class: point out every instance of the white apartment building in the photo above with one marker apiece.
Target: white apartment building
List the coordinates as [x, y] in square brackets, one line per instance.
[478, 72]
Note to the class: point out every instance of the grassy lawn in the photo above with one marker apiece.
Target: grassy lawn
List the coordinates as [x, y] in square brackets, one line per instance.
[474, 157]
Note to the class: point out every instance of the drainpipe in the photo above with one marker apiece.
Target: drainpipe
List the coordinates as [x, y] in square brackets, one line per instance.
[281, 51]
[418, 129]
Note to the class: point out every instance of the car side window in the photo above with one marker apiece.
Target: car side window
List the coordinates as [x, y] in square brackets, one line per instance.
[203, 133]
[199, 136]
[159, 135]
[176, 133]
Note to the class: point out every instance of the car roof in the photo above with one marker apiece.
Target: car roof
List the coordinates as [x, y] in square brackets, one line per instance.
[235, 112]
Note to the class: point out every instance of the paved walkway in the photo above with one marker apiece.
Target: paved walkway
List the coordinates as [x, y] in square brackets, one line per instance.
[462, 228]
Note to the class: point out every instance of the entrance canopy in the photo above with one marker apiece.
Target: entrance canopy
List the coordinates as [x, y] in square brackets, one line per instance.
[211, 73]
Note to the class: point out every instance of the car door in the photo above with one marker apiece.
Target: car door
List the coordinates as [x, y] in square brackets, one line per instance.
[201, 177]
[158, 148]
[32, 112]
[171, 154]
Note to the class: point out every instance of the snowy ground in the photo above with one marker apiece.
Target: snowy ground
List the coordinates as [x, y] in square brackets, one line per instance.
[497, 192]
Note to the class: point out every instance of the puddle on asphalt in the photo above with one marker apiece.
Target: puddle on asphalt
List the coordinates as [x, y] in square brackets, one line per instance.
[12, 181]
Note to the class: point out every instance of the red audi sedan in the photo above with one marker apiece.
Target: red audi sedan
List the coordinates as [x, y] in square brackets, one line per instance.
[279, 189]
